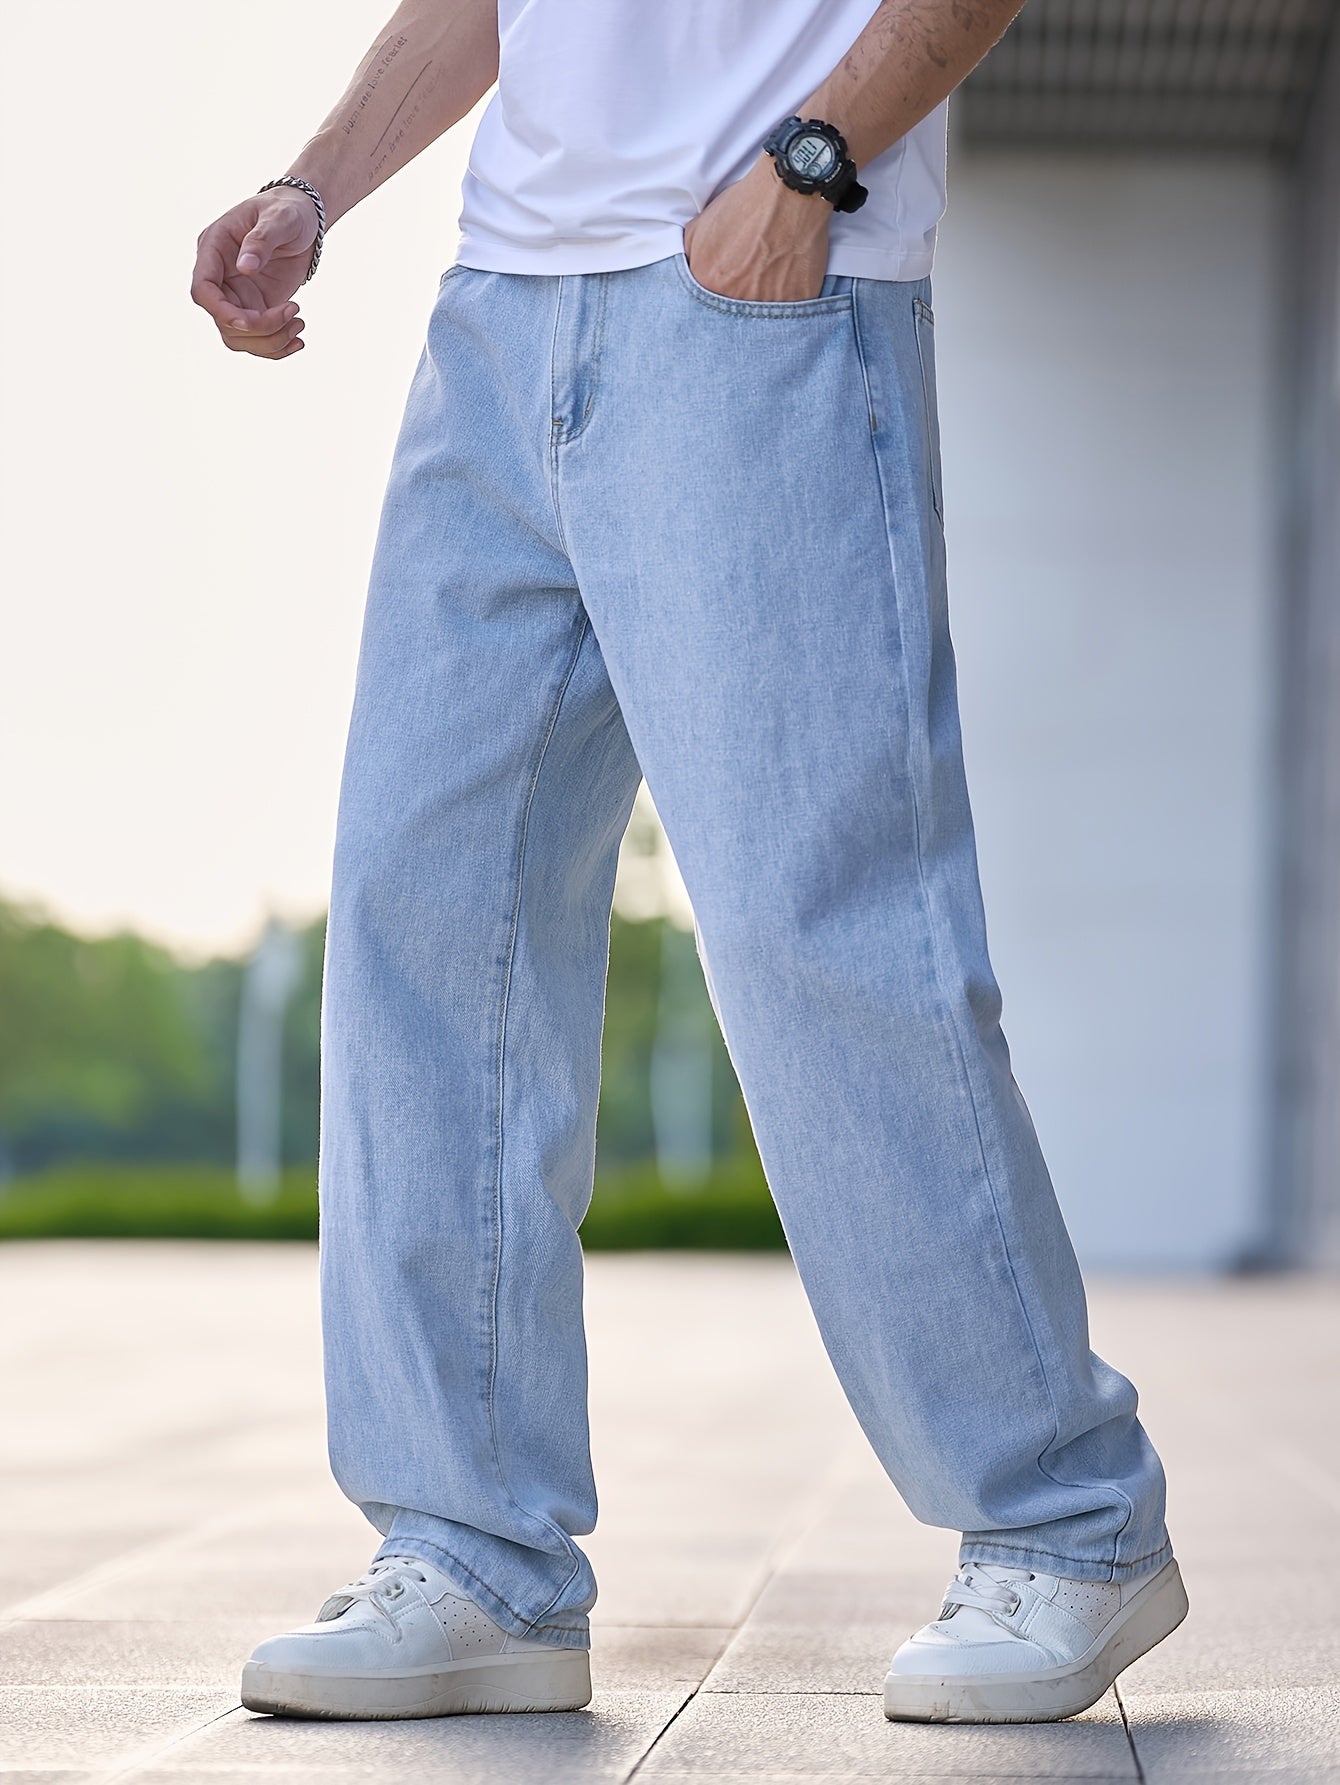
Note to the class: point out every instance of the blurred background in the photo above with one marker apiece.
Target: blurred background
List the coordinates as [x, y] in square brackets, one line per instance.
[1138, 325]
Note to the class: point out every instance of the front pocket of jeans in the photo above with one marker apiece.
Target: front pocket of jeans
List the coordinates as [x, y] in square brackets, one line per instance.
[925, 329]
[836, 302]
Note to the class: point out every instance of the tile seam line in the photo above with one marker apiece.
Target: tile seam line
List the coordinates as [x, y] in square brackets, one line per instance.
[149, 1755]
[811, 1510]
[37, 1608]
[1130, 1733]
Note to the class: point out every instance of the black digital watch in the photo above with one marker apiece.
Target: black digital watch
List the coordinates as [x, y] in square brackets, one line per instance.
[811, 156]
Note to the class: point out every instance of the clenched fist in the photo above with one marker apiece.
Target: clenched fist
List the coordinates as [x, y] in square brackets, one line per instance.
[249, 264]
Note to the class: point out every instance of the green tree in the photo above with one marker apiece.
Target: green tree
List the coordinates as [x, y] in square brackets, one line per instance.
[92, 1031]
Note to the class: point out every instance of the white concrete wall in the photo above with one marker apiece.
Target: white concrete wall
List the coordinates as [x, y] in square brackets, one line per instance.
[1107, 342]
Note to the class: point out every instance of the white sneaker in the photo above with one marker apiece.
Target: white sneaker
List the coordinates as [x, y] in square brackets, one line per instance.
[1015, 1647]
[403, 1642]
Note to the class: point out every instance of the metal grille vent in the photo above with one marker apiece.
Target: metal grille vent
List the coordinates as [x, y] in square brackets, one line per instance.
[1162, 73]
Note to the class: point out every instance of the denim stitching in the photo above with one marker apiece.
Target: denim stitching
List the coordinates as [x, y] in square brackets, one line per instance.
[555, 423]
[564, 1540]
[966, 1076]
[1034, 1549]
[860, 360]
[925, 313]
[597, 345]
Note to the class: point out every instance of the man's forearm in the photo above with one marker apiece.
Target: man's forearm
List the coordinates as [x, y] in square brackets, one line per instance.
[431, 63]
[910, 56]
[760, 240]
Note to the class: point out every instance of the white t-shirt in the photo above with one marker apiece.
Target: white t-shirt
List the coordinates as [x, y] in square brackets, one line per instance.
[615, 121]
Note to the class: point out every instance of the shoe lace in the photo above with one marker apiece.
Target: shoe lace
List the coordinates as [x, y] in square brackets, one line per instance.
[380, 1583]
[973, 1586]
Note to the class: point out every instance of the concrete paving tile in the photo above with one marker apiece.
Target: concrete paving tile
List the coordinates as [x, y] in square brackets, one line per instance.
[28, 1566]
[1240, 1732]
[602, 1743]
[1225, 1517]
[1253, 1775]
[97, 1728]
[866, 1526]
[208, 1655]
[638, 1658]
[282, 1598]
[46, 1776]
[334, 1535]
[174, 1775]
[714, 1585]
[195, 1775]
[246, 1564]
[846, 1658]
[829, 1599]
[1251, 1626]
[736, 1491]
[849, 1736]
[58, 1655]
[901, 1777]
[817, 1632]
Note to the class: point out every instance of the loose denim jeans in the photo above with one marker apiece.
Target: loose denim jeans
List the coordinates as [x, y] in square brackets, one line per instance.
[634, 527]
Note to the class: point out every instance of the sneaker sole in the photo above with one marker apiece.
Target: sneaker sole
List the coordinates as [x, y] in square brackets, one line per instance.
[530, 1682]
[1055, 1692]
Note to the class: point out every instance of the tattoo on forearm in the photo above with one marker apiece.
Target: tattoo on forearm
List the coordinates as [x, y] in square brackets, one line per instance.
[378, 63]
[386, 149]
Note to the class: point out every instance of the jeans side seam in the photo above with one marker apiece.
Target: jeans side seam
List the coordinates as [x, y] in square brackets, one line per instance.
[555, 424]
[500, 1081]
[928, 909]
[865, 370]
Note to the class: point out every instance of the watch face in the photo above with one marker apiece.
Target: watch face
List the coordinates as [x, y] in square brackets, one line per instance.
[813, 157]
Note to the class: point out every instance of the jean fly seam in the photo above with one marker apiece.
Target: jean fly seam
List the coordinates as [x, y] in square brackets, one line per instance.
[500, 1081]
[578, 425]
[555, 422]
[966, 1076]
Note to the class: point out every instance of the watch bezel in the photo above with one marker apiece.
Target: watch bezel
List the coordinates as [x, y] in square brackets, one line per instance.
[840, 187]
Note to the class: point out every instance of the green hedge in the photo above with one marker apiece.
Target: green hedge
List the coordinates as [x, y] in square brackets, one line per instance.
[632, 1210]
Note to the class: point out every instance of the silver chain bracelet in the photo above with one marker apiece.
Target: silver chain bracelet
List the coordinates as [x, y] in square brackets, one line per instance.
[316, 198]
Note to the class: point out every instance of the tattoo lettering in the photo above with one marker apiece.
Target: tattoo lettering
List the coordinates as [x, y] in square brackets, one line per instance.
[386, 150]
[380, 61]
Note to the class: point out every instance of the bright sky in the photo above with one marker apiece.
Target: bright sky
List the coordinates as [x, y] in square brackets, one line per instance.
[187, 532]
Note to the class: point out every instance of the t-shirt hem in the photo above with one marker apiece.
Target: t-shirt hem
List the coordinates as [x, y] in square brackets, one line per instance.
[902, 264]
[567, 256]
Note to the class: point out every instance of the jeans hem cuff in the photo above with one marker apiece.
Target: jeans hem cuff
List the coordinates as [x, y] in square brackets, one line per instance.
[1014, 1555]
[558, 1636]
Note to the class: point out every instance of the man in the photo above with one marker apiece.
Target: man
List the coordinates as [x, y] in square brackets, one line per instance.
[667, 501]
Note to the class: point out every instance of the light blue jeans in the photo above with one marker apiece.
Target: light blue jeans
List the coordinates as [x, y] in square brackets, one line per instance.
[633, 527]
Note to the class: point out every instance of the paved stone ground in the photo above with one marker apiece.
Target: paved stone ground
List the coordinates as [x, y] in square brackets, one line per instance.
[166, 1506]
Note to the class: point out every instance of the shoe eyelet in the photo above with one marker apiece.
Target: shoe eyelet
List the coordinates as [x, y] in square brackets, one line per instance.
[394, 1590]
